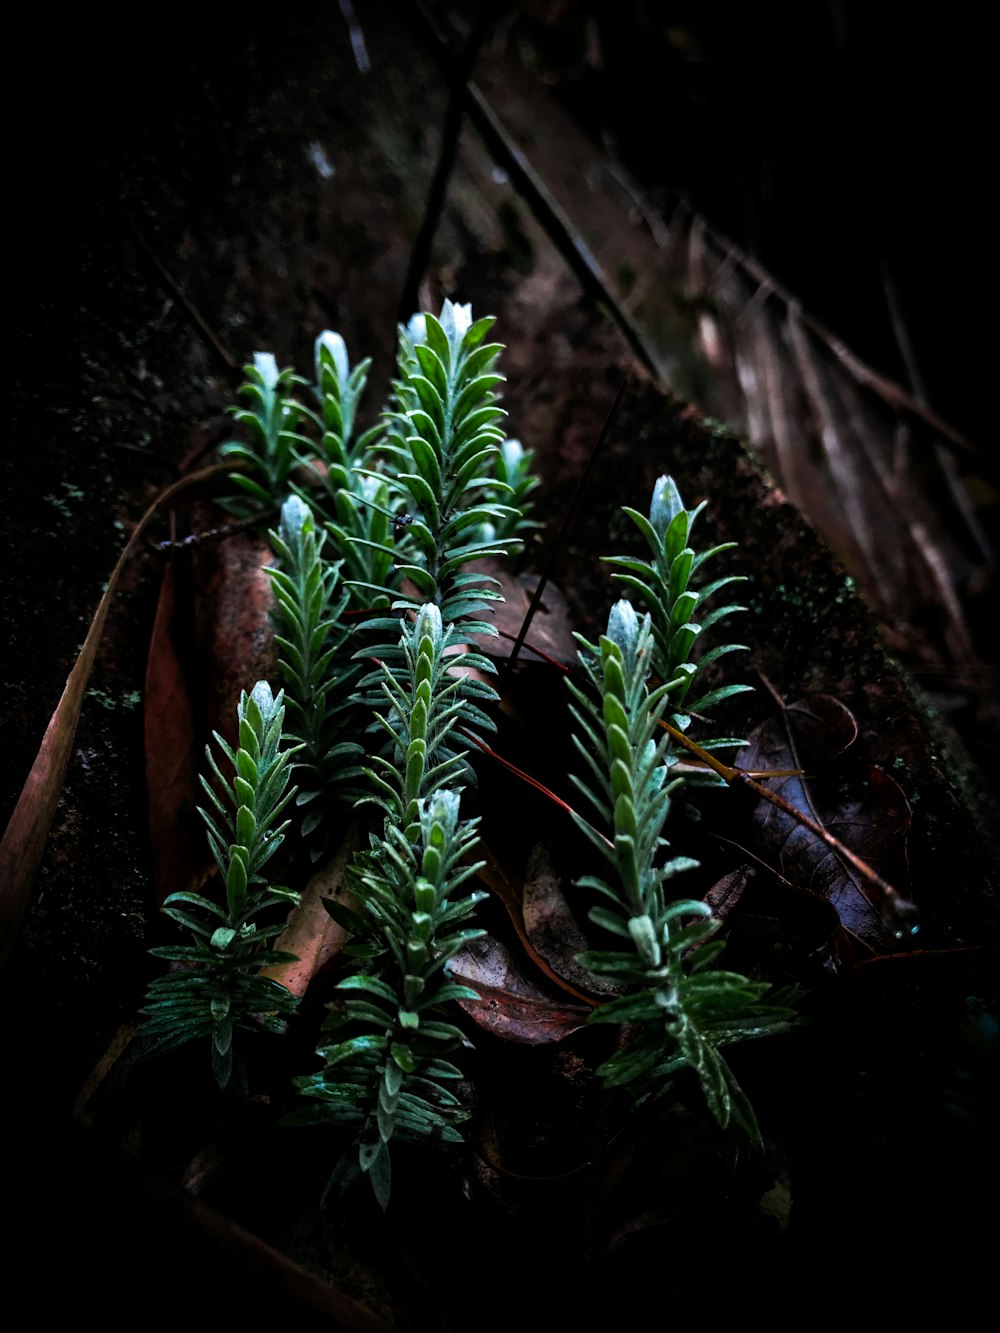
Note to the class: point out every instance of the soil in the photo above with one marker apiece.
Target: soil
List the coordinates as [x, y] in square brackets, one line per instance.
[279, 188]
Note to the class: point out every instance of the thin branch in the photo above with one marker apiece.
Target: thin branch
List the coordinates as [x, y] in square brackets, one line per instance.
[194, 316]
[553, 221]
[451, 130]
[536, 597]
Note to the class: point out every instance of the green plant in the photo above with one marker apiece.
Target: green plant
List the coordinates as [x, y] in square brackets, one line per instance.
[441, 442]
[354, 507]
[429, 505]
[339, 389]
[394, 523]
[668, 585]
[392, 1080]
[679, 1009]
[516, 484]
[318, 671]
[214, 988]
[271, 422]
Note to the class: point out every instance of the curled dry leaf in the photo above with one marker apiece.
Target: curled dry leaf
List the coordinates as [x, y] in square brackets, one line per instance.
[551, 630]
[509, 890]
[180, 856]
[312, 935]
[863, 809]
[552, 928]
[730, 892]
[23, 843]
[212, 638]
[511, 1007]
[776, 916]
[235, 636]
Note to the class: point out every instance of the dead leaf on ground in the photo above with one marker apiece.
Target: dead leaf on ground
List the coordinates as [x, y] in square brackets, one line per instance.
[551, 630]
[235, 635]
[509, 890]
[511, 1007]
[24, 841]
[863, 808]
[552, 928]
[312, 934]
[180, 856]
[775, 917]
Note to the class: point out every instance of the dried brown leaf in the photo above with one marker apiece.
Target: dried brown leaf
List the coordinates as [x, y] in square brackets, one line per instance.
[24, 840]
[510, 892]
[551, 631]
[775, 917]
[176, 833]
[312, 934]
[511, 1007]
[552, 928]
[234, 632]
[863, 809]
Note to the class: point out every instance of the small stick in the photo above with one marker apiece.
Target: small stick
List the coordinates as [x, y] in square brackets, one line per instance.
[536, 597]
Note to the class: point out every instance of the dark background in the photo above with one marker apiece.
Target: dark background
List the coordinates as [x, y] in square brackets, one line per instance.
[845, 145]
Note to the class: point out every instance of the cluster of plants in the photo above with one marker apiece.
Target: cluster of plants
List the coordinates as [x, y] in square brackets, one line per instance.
[382, 617]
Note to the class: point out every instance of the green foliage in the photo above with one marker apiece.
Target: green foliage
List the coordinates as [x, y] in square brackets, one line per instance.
[318, 671]
[354, 506]
[427, 702]
[390, 1078]
[679, 1009]
[271, 423]
[515, 485]
[413, 501]
[441, 445]
[619, 719]
[392, 521]
[430, 503]
[669, 586]
[214, 988]
[339, 390]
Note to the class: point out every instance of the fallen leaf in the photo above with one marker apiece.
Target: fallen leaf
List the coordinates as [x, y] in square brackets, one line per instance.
[552, 928]
[24, 841]
[312, 934]
[511, 1007]
[551, 632]
[728, 893]
[767, 915]
[180, 855]
[863, 809]
[511, 895]
[235, 636]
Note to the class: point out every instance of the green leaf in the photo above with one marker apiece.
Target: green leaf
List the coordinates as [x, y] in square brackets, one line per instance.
[374, 1160]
